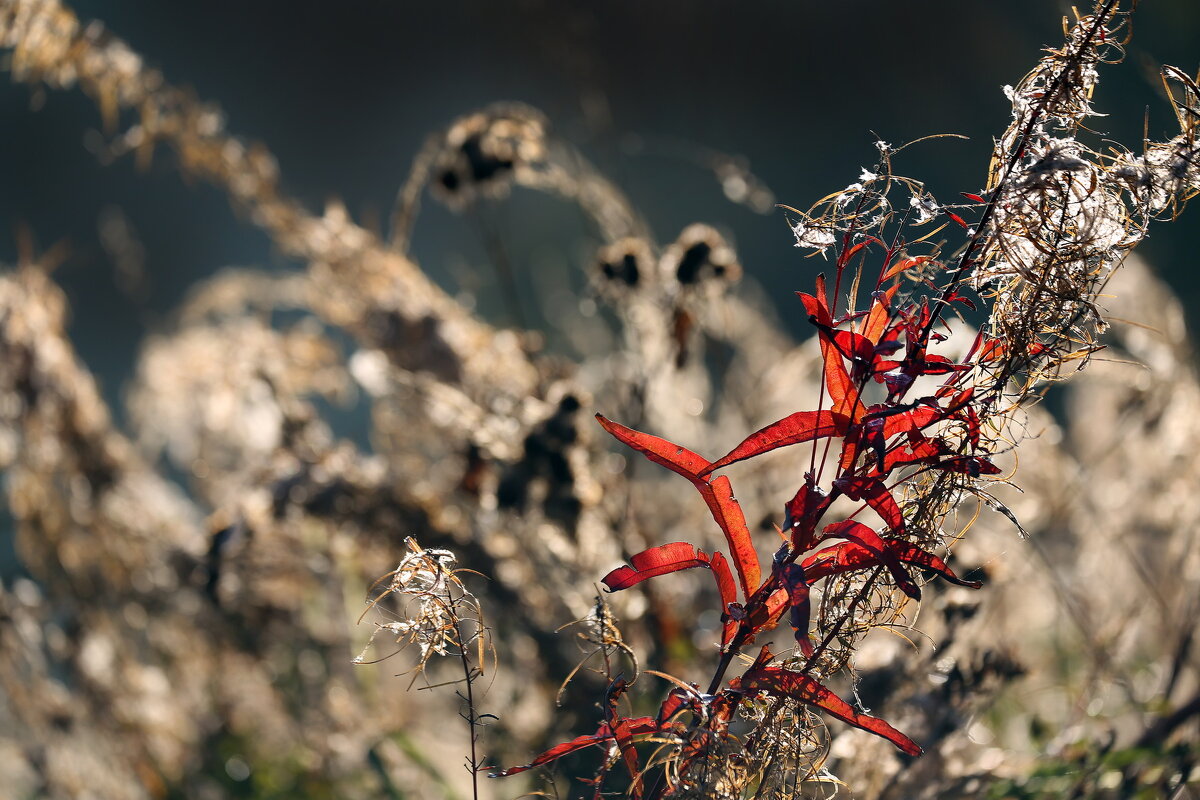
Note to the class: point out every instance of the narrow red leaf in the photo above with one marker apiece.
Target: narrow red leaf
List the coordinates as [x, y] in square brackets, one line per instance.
[836, 559]
[851, 345]
[957, 219]
[628, 727]
[728, 592]
[797, 588]
[851, 556]
[717, 494]
[728, 513]
[992, 350]
[803, 426]
[851, 446]
[623, 736]
[802, 513]
[968, 465]
[967, 414]
[877, 320]
[956, 297]
[842, 390]
[848, 254]
[860, 534]
[920, 450]
[767, 615]
[915, 419]
[973, 197]
[660, 451]
[556, 752]
[936, 365]
[912, 554]
[825, 315]
[804, 689]
[719, 712]
[877, 497]
[676, 700]
[904, 264]
[661, 560]
[674, 557]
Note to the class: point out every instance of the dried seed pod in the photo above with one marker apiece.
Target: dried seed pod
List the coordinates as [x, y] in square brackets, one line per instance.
[481, 154]
[701, 256]
[623, 266]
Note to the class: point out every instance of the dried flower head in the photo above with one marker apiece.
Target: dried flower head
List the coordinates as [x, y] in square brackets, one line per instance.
[432, 609]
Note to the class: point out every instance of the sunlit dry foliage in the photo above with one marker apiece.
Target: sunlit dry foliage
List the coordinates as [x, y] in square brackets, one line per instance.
[191, 640]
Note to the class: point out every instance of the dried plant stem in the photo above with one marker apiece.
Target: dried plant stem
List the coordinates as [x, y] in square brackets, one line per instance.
[470, 714]
[965, 263]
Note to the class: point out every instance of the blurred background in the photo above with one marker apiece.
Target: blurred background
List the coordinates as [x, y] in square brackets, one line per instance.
[699, 112]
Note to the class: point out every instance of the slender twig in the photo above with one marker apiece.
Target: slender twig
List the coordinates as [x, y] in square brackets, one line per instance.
[470, 715]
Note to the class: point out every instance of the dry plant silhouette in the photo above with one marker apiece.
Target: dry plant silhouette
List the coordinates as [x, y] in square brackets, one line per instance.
[198, 641]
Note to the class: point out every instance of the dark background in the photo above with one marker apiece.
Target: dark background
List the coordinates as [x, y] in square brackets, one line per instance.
[344, 93]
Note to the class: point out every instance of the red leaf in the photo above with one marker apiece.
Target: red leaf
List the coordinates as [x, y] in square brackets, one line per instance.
[719, 713]
[905, 264]
[860, 534]
[846, 255]
[877, 320]
[660, 451]
[851, 556]
[957, 219]
[717, 494]
[803, 426]
[824, 315]
[992, 350]
[877, 497]
[667, 558]
[728, 514]
[802, 513]
[955, 297]
[921, 450]
[806, 690]
[837, 380]
[797, 588]
[556, 752]
[842, 391]
[728, 591]
[973, 197]
[882, 422]
[963, 410]
[968, 465]
[912, 554]
[623, 735]
[767, 615]
[661, 560]
[626, 727]
[937, 365]
[915, 419]
[677, 700]
[850, 449]
[851, 345]
[836, 559]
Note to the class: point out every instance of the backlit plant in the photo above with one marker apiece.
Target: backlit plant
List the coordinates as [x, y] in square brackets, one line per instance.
[912, 408]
